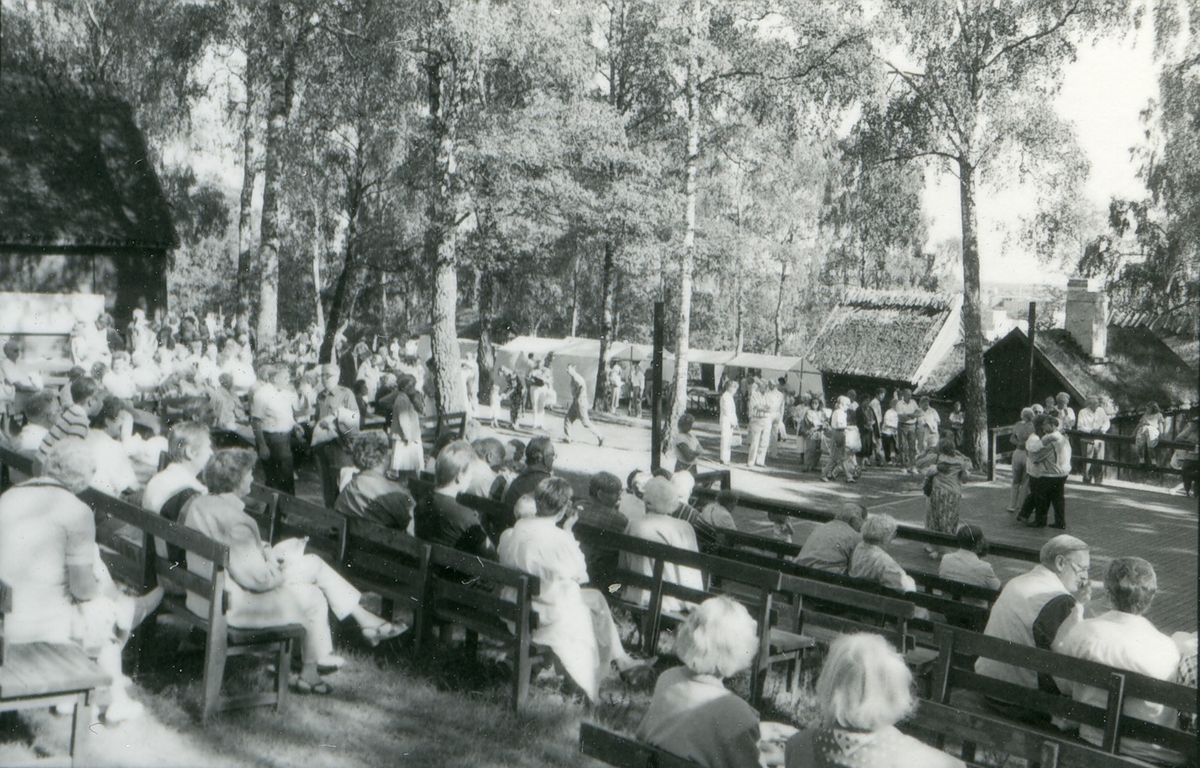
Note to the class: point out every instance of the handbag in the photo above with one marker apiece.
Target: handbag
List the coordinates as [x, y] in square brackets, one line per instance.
[928, 487]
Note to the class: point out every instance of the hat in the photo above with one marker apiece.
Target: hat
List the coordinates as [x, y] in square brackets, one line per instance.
[604, 482]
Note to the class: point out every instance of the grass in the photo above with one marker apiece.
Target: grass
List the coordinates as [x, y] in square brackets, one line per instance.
[387, 708]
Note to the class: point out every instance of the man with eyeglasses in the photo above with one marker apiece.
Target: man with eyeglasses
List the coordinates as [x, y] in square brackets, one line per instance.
[1034, 609]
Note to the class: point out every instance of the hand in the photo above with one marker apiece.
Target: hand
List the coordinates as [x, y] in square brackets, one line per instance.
[1084, 593]
[571, 518]
[264, 452]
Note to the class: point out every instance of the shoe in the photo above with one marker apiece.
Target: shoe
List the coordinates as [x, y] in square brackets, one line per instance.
[385, 631]
[1059, 526]
[1011, 510]
[331, 663]
[825, 479]
[305, 688]
[122, 710]
[600, 441]
[1034, 524]
[851, 480]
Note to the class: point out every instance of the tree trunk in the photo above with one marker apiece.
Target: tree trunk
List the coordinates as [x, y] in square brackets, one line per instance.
[687, 258]
[318, 246]
[779, 310]
[277, 111]
[440, 245]
[739, 327]
[485, 354]
[975, 427]
[246, 201]
[346, 292]
[608, 302]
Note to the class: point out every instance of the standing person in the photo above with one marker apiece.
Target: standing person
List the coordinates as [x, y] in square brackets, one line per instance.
[948, 470]
[1149, 428]
[637, 388]
[839, 457]
[1093, 420]
[273, 416]
[776, 401]
[907, 413]
[541, 380]
[1021, 432]
[334, 432]
[578, 411]
[728, 420]
[404, 428]
[760, 420]
[616, 381]
[871, 560]
[929, 424]
[1053, 462]
[957, 420]
[812, 427]
[515, 393]
[867, 417]
[687, 447]
[889, 429]
[1066, 414]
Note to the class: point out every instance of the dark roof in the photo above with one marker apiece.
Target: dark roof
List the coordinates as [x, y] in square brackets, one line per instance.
[74, 172]
[1139, 368]
[946, 371]
[880, 334]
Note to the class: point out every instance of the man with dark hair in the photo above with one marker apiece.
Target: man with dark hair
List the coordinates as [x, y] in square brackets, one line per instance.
[87, 398]
[539, 462]
[687, 447]
[440, 518]
[41, 411]
[1049, 464]
[600, 511]
[830, 546]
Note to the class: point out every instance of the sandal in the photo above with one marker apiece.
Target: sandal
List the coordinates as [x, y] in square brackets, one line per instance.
[638, 670]
[305, 688]
[385, 631]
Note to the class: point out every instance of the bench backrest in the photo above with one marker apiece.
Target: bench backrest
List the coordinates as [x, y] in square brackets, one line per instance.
[325, 529]
[468, 589]
[843, 609]
[261, 504]
[385, 556]
[1118, 684]
[496, 516]
[939, 724]
[624, 752]
[5, 609]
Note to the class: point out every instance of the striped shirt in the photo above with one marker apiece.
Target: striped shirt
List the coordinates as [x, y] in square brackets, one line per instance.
[73, 422]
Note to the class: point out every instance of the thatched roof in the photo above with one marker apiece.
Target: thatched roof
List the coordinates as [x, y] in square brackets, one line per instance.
[892, 335]
[74, 172]
[1140, 368]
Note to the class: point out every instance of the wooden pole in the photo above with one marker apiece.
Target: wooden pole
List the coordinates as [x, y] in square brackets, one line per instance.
[656, 387]
[1032, 346]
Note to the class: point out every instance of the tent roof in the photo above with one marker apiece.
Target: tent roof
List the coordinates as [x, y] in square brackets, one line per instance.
[766, 362]
[710, 356]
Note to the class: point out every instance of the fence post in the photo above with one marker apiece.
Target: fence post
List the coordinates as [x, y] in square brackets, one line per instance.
[991, 454]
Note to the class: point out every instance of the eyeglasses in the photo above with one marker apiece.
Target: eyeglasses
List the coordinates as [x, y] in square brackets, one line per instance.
[1081, 571]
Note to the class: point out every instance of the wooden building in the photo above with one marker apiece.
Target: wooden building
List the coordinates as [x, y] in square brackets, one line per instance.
[81, 209]
[889, 339]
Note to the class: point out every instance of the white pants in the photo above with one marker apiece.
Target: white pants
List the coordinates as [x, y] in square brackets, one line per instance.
[726, 441]
[758, 442]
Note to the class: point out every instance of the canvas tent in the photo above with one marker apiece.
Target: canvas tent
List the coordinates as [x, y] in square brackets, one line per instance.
[582, 352]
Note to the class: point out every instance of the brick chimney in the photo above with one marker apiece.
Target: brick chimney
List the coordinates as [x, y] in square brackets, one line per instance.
[1087, 318]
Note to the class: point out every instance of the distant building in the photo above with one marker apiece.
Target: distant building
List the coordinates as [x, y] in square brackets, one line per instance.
[1126, 364]
[81, 209]
[887, 339]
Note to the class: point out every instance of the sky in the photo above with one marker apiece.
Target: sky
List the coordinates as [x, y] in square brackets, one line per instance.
[1103, 94]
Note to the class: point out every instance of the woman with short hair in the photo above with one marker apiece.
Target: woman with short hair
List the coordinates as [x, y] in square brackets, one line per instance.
[864, 689]
[272, 586]
[692, 714]
[370, 494]
[946, 472]
[1020, 459]
[871, 560]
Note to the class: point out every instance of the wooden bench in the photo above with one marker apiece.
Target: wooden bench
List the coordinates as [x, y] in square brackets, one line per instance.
[38, 675]
[624, 752]
[326, 530]
[941, 725]
[466, 590]
[16, 467]
[955, 674]
[393, 565]
[261, 505]
[220, 640]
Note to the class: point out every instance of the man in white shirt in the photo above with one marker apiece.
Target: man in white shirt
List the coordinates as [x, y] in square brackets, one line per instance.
[190, 447]
[1125, 639]
[115, 474]
[760, 419]
[119, 380]
[775, 399]
[40, 413]
[1094, 420]
[273, 416]
[1035, 609]
[907, 412]
[17, 382]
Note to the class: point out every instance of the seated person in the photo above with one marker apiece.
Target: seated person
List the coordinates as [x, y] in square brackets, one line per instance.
[370, 494]
[600, 511]
[831, 545]
[119, 380]
[115, 474]
[966, 563]
[687, 447]
[272, 586]
[692, 714]
[864, 689]
[719, 513]
[1124, 638]
[189, 448]
[491, 451]
[86, 399]
[575, 623]
[659, 524]
[62, 592]
[539, 463]
[41, 411]
[439, 518]
[632, 505]
[871, 560]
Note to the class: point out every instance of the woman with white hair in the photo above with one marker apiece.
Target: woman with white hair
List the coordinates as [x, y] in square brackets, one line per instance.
[871, 560]
[692, 714]
[1020, 459]
[864, 689]
[1124, 638]
[62, 591]
[658, 524]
